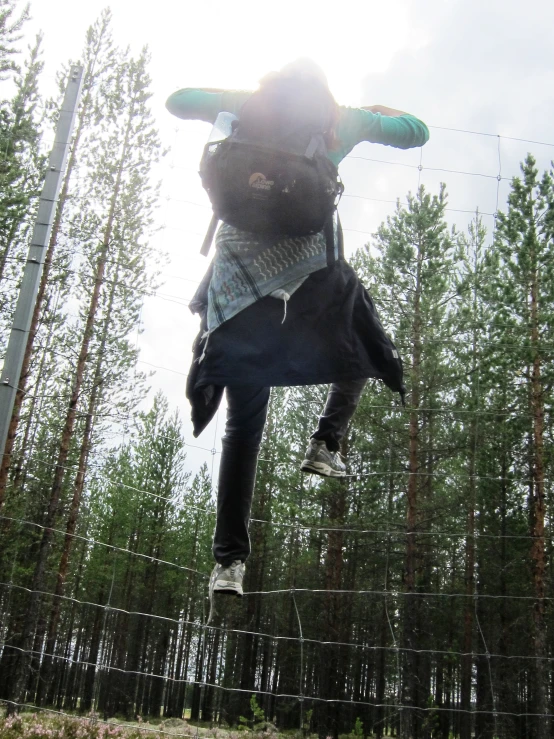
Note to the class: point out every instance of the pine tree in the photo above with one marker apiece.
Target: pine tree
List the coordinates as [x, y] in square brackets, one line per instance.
[99, 62]
[523, 295]
[474, 316]
[21, 173]
[10, 34]
[416, 268]
[120, 194]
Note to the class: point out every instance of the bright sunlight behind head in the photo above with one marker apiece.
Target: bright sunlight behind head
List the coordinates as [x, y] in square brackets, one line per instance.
[232, 45]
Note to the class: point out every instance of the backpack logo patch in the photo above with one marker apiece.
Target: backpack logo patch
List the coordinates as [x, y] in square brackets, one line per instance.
[258, 181]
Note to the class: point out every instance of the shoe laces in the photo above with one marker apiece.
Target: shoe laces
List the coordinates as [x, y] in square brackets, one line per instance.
[233, 567]
[318, 444]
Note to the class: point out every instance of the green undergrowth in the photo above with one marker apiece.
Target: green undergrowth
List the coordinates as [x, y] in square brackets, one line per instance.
[47, 726]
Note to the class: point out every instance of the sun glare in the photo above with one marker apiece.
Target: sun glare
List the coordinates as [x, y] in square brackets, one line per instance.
[250, 39]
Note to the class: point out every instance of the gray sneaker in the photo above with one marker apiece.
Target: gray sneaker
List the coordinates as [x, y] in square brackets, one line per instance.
[321, 461]
[227, 579]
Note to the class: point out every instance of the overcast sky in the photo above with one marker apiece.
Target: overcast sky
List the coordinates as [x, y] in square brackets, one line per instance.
[484, 66]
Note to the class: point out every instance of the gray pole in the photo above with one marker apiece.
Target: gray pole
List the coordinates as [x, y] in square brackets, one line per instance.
[11, 372]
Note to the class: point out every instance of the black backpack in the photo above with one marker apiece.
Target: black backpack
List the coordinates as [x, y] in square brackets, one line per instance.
[272, 174]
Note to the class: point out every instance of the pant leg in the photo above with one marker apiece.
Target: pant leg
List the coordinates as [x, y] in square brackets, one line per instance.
[246, 415]
[342, 401]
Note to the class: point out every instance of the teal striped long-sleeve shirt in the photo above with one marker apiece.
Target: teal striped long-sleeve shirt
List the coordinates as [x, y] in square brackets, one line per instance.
[354, 124]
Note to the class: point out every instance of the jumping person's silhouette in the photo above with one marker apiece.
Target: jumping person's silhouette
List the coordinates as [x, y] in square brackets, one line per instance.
[278, 306]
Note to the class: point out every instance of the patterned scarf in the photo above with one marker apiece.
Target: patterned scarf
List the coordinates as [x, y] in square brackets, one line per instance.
[250, 266]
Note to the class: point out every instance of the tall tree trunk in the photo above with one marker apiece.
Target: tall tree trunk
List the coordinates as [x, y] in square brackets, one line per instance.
[506, 694]
[178, 689]
[287, 713]
[91, 671]
[171, 673]
[409, 671]
[67, 433]
[75, 504]
[157, 686]
[87, 697]
[196, 705]
[538, 557]
[485, 725]
[385, 626]
[209, 710]
[424, 579]
[69, 639]
[76, 670]
[134, 663]
[467, 659]
[254, 583]
[330, 685]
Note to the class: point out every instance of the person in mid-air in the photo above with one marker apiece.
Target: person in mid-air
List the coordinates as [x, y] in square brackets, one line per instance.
[280, 306]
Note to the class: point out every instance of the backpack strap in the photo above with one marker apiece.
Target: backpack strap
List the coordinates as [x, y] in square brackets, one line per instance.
[340, 237]
[313, 146]
[209, 237]
[329, 231]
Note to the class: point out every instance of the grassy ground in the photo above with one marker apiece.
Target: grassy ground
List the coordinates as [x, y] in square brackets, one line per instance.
[44, 725]
[54, 726]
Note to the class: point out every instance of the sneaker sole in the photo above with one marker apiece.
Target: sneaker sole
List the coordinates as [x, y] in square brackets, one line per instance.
[227, 588]
[320, 468]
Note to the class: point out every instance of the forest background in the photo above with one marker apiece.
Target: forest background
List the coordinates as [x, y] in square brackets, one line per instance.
[414, 597]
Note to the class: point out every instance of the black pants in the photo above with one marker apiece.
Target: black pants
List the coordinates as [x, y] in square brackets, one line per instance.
[246, 415]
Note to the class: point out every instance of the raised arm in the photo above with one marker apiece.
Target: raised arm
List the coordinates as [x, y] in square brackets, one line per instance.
[393, 127]
[380, 125]
[204, 104]
[383, 110]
